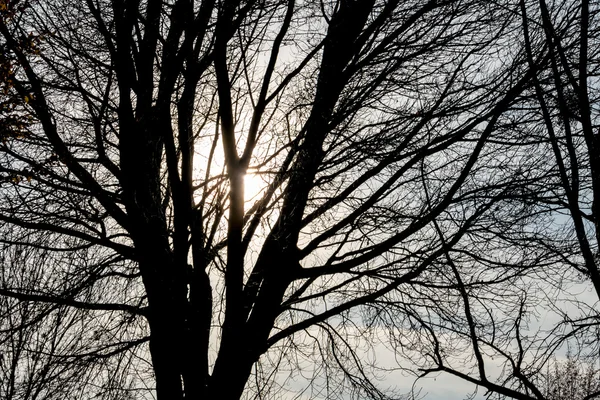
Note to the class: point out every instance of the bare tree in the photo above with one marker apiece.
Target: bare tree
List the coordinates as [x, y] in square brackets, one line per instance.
[572, 379]
[378, 135]
[523, 283]
[49, 349]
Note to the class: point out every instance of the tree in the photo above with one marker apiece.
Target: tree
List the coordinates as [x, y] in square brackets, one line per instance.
[571, 379]
[373, 126]
[525, 283]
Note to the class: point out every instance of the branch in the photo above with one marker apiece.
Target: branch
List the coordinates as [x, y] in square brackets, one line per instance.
[42, 298]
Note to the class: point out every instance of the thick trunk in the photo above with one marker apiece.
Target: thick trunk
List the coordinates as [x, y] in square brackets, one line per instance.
[164, 356]
[231, 374]
[166, 321]
[179, 329]
[179, 325]
[164, 279]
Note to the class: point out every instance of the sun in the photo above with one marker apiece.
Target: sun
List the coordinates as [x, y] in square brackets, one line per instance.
[254, 186]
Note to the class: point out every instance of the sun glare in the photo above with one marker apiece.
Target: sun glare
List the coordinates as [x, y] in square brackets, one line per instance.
[253, 187]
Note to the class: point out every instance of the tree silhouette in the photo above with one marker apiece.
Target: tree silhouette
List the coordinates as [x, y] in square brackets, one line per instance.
[526, 285]
[571, 379]
[387, 135]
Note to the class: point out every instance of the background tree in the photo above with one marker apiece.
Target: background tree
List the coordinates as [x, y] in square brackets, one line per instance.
[524, 285]
[380, 137]
[571, 379]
